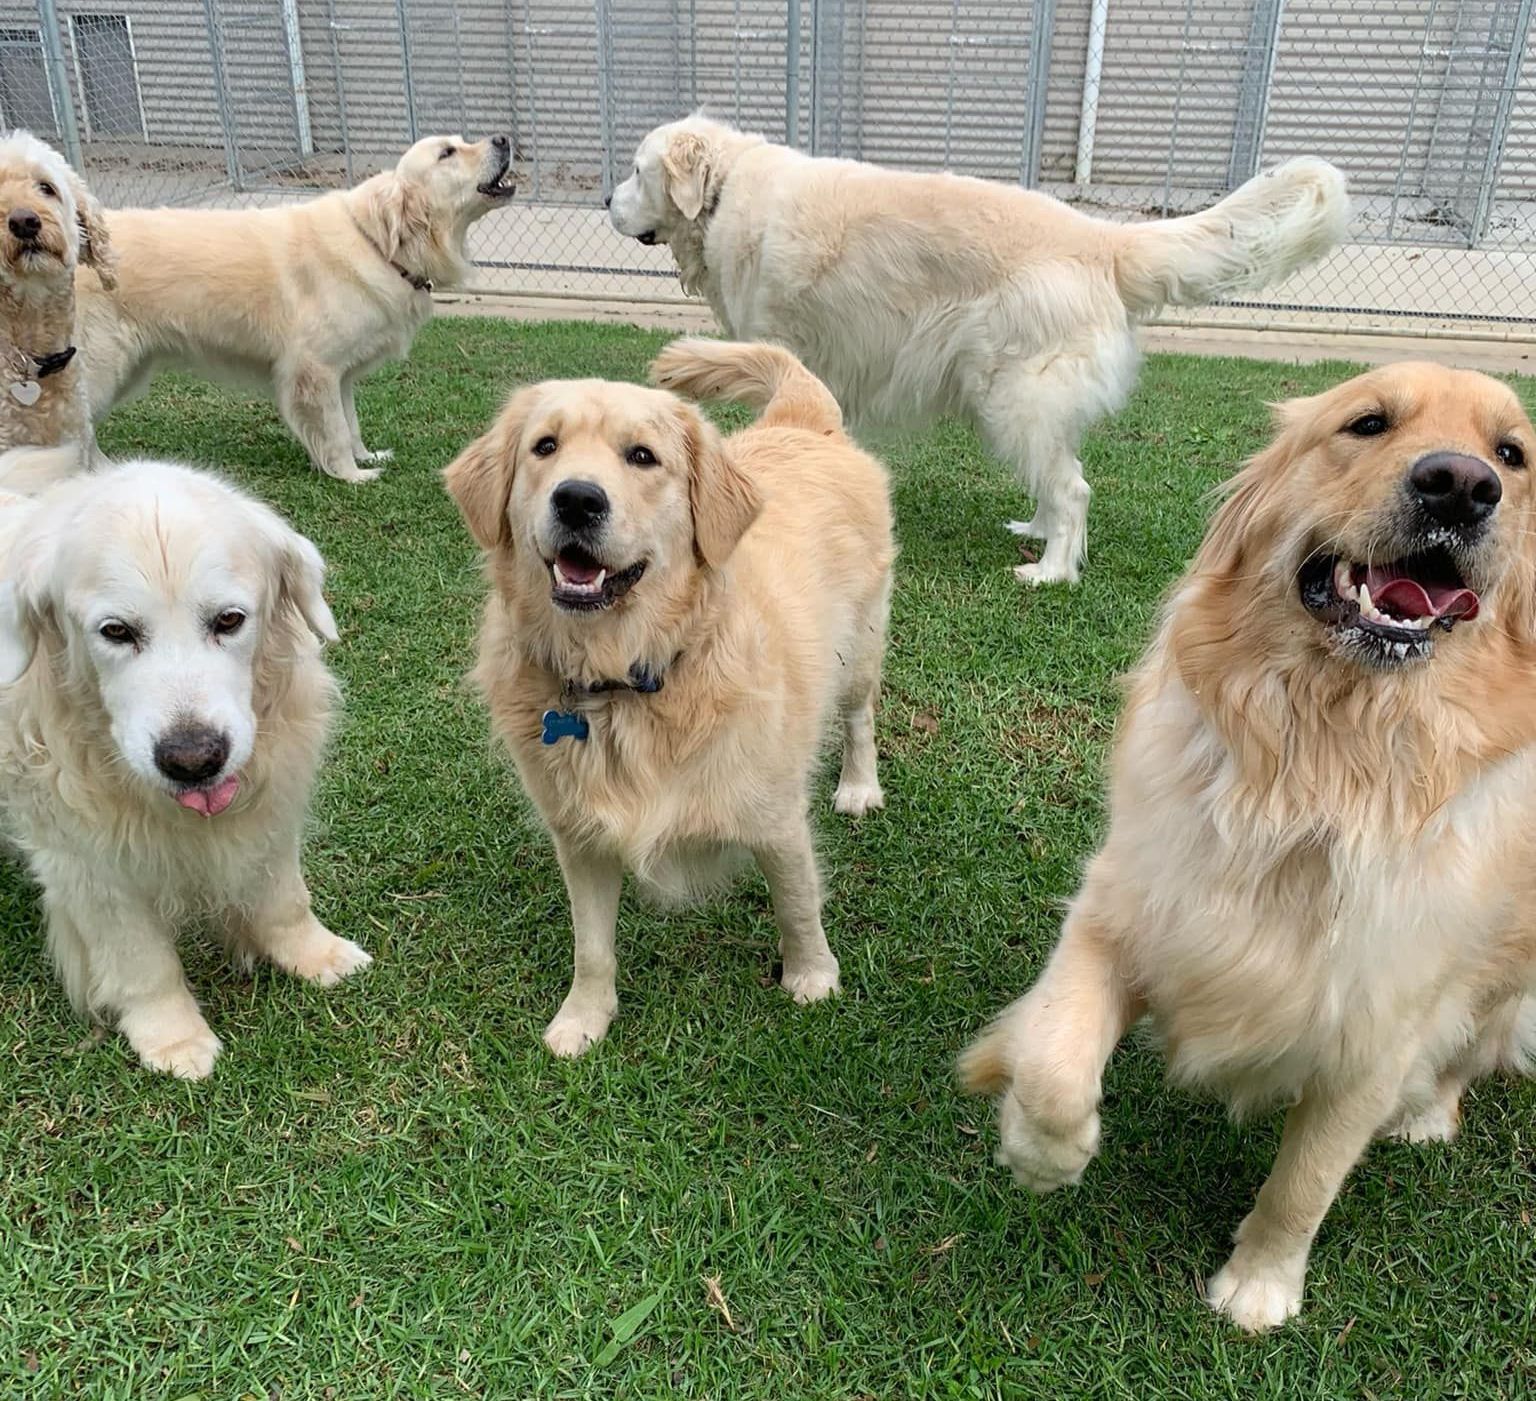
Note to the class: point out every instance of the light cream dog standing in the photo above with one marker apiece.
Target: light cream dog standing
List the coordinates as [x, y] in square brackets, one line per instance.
[1320, 873]
[914, 296]
[50, 224]
[298, 302]
[161, 737]
[674, 623]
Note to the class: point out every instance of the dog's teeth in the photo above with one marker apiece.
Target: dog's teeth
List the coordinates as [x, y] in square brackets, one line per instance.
[1343, 579]
[1365, 601]
[601, 575]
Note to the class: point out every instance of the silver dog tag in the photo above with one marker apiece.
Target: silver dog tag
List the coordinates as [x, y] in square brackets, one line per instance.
[26, 391]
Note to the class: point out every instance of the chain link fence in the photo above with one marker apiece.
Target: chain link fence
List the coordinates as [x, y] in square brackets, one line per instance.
[1127, 108]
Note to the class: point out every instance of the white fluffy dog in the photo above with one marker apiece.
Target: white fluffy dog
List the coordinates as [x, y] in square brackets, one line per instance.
[914, 296]
[160, 737]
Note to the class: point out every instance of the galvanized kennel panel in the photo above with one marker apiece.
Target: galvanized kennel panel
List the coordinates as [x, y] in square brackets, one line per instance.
[1129, 108]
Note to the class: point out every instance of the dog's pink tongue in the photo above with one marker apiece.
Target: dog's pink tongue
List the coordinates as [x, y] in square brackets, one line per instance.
[211, 801]
[1408, 598]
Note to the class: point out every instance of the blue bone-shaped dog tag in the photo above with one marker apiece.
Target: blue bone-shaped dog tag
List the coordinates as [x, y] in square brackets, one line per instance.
[563, 724]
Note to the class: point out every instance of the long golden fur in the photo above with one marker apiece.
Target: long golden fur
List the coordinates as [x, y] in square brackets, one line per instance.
[761, 609]
[50, 225]
[298, 302]
[1319, 877]
[137, 604]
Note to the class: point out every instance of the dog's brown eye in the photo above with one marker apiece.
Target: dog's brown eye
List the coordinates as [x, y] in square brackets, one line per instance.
[1369, 425]
[640, 456]
[231, 620]
[47, 189]
[1510, 454]
[445, 153]
[544, 447]
[117, 632]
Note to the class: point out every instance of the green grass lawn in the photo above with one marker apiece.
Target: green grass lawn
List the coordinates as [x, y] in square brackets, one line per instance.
[391, 1189]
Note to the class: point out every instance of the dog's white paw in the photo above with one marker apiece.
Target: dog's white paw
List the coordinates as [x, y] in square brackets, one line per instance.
[355, 475]
[577, 1027]
[375, 455]
[326, 958]
[178, 1042]
[1439, 1123]
[1036, 574]
[855, 799]
[1257, 1295]
[1044, 1156]
[813, 981]
[1028, 529]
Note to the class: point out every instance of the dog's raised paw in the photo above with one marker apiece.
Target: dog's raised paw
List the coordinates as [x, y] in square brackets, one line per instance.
[1028, 529]
[376, 455]
[1043, 1158]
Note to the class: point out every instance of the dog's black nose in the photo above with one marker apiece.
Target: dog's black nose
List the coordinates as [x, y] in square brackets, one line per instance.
[1454, 489]
[579, 505]
[501, 143]
[607, 201]
[24, 223]
[191, 753]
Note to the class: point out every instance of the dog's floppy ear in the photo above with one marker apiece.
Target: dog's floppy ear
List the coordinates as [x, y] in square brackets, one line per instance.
[686, 165]
[396, 214]
[480, 478]
[18, 633]
[1225, 547]
[95, 240]
[723, 498]
[300, 573]
[22, 601]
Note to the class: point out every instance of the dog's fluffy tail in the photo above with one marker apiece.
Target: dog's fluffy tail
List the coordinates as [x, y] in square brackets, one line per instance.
[766, 377]
[1263, 231]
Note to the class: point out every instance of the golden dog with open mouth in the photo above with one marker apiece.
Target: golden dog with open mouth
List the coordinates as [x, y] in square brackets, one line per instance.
[674, 622]
[1319, 877]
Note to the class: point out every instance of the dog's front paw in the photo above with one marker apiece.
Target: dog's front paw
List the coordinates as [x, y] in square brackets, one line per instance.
[318, 956]
[174, 1040]
[1042, 1153]
[812, 981]
[1036, 574]
[1257, 1294]
[1028, 529]
[577, 1027]
[375, 455]
[855, 799]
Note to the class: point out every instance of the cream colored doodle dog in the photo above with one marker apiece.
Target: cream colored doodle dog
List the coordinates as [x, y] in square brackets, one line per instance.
[675, 622]
[159, 736]
[297, 302]
[1320, 874]
[914, 296]
[50, 225]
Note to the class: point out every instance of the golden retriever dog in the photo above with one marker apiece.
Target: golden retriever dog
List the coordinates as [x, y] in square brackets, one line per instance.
[674, 622]
[163, 716]
[914, 295]
[52, 225]
[1318, 879]
[297, 302]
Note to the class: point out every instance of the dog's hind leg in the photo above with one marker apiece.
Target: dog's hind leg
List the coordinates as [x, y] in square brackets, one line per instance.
[789, 863]
[593, 880]
[309, 399]
[360, 450]
[1033, 416]
[858, 786]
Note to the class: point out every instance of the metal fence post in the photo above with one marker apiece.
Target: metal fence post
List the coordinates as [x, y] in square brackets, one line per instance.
[1503, 108]
[296, 76]
[221, 94]
[1253, 91]
[604, 89]
[792, 74]
[1041, 26]
[341, 89]
[403, 19]
[58, 82]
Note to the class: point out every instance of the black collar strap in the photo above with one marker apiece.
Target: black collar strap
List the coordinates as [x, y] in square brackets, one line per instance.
[52, 364]
[642, 679]
[420, 283]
